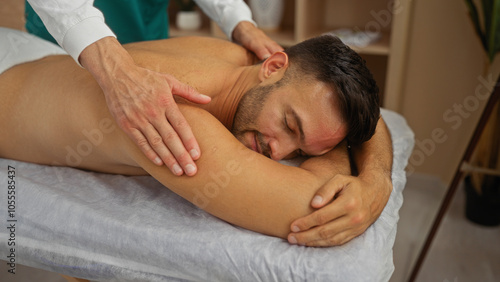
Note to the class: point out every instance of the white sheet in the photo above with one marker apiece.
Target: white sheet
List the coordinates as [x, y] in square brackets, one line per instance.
[117, 228]
[17, 47]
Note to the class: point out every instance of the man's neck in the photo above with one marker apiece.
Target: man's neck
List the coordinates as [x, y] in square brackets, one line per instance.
[225, 102]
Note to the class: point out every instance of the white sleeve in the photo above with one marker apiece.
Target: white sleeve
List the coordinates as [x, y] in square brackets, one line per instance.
[226, 13]
[74, 24]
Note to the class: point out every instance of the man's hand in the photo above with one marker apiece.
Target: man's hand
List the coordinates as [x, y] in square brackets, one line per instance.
[348, 205]
[255, 40]
[143, 105]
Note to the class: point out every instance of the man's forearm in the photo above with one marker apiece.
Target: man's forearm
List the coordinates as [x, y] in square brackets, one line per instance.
[373, 160]
[330, 164]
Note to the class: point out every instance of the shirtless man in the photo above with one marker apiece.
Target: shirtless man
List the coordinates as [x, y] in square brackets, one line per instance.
[52, 110]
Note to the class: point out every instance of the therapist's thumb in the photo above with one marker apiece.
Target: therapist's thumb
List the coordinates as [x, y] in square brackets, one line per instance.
[327, 192]
[185, 91]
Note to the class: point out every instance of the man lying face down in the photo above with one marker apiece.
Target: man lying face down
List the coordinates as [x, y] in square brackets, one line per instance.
[324, 94]
[304, 101]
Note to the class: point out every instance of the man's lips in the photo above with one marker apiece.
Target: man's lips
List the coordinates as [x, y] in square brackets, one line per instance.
[255, 145]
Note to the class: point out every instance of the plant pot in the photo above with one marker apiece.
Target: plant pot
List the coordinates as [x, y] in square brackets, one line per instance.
[188, 20]
[267, 13]
[483, 209]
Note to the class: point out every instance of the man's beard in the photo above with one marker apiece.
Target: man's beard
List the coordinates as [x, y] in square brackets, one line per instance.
[247, 113]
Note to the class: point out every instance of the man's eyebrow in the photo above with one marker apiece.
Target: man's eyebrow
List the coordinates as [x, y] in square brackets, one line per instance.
[299, 124]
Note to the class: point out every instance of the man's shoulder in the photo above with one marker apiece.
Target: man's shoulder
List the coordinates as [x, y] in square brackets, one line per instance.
[198, 45]
[220, 48]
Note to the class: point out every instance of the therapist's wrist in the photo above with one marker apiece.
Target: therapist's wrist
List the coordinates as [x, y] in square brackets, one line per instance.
[104, 57]
[241, 30]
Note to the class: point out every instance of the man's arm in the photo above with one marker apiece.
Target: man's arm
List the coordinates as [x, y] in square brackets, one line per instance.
[357, 201]
[243, 187]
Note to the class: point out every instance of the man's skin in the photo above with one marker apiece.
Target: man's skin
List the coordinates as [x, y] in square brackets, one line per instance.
[51, 108]
[132, 102]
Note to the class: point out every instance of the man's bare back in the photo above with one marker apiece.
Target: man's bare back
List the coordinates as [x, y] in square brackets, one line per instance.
[64, 111]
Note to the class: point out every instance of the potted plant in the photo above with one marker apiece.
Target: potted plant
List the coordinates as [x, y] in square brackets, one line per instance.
[483, 186]
[188, 18]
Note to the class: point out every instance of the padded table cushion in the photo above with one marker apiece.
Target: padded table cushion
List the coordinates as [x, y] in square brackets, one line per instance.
[119, 228]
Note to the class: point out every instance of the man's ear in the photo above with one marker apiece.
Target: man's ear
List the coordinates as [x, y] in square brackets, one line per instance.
[272, 65]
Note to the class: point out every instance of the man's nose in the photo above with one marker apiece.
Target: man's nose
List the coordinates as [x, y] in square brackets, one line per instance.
[281, 149]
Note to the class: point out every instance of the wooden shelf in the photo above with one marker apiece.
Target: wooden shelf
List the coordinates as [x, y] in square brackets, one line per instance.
[380, 47]
[284, 38]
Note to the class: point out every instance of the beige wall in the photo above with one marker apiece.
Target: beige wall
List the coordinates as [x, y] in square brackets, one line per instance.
[440, 97]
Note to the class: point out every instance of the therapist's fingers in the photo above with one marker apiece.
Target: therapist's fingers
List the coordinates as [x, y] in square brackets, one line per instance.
[145, 109]
[255, 40]
[143, 144]
[264, 47]
[172, 138]
[172, 151]
[272, 47]
[185, 151]
[152, 145]
[263, 52]
[165, 147]
[180, 125]
[187, 92]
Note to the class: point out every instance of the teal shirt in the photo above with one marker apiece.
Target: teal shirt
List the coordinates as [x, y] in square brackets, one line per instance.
[130, 20]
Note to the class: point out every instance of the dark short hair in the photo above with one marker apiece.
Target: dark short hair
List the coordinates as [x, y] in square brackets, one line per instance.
[327, 59]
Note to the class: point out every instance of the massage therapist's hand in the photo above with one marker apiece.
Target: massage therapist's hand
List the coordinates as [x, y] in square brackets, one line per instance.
[357, 203]
[142, 103]
[255, 40]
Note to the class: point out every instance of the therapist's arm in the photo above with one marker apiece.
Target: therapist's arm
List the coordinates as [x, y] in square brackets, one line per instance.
[142, 103]
[235, 19]
[140, 100]
[358, 202]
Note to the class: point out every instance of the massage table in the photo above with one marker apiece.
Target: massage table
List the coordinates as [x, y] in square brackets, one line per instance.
[104, 227]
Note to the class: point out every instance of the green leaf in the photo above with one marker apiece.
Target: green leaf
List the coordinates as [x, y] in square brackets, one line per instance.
[487, 13]
[494, 30]
[474, 15]
[490, 36]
